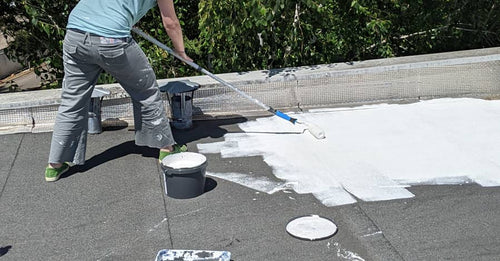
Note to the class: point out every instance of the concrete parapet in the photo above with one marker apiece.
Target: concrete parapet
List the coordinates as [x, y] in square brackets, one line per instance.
[473, 73]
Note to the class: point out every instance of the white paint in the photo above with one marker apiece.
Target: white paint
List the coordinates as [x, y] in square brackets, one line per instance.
[183, 164]
[214, 147]
[157, 122]
[346, 254]
[184, 160]
[372, 234]
[260, 183]
[375, 152]
[157, 225]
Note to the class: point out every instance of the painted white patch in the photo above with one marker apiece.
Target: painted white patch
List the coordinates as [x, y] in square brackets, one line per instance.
[157, 122]
[346, 254]
[157, 225]
[214, 147]
[182, 164]
[372, 234]
[375, 152]
[260, 183]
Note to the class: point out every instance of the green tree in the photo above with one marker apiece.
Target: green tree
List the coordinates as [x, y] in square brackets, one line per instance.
[38, 29]
[230, 35]
[244, 35]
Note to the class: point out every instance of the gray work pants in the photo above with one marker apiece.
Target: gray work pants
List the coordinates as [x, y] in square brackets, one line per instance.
[85, 56]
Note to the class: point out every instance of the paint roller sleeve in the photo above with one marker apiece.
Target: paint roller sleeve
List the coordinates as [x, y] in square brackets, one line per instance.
[315, 130]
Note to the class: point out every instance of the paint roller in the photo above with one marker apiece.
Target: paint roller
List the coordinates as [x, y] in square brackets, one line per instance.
[315, 130]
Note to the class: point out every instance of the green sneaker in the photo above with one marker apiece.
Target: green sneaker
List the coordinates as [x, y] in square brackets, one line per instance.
[52, 174]
[177, 148]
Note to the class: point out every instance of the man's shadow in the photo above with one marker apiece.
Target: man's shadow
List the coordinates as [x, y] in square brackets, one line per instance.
[207, 128]
[112, 153]
[201, 129]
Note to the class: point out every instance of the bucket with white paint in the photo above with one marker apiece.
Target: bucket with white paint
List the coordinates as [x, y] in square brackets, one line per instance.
[184, 174]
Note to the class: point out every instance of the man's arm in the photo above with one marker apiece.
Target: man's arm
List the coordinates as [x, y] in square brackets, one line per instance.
[172, 26]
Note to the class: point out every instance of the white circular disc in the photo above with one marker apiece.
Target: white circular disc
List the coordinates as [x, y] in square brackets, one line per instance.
[312, 227]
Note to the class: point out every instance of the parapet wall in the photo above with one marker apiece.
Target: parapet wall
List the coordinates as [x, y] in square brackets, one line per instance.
[474, 73]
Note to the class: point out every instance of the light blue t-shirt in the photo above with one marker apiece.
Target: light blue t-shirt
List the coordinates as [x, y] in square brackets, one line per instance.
[109, 18]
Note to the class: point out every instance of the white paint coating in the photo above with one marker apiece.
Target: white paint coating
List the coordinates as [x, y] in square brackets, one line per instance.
[157, 122]
[184, 160]
[259, 183]
[346, 254]
[372, 234]
[374, 152]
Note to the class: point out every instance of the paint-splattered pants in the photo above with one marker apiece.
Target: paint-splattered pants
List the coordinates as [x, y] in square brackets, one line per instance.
[85, 56]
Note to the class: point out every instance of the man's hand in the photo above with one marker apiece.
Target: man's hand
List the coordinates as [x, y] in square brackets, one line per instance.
[184, 56]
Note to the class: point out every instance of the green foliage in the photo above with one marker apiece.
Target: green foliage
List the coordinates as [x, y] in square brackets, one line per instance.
[230, 35]
[244, 35]
[406, 27]
[260, 34]
[165, 65]
[38, 29]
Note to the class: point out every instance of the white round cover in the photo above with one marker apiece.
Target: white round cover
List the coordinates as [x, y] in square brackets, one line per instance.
[311, 227]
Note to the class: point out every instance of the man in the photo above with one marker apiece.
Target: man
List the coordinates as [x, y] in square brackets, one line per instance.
[98, 38]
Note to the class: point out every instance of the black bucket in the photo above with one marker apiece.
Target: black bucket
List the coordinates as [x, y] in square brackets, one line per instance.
[184, 174]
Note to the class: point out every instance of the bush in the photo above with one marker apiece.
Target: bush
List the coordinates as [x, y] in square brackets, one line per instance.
[38, 27]
[262, 34]
[255, 34]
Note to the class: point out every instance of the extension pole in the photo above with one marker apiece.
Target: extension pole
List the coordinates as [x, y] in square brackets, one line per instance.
[313, 129]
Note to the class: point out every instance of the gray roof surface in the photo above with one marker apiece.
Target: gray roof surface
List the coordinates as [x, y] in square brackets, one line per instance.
[114, 208]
